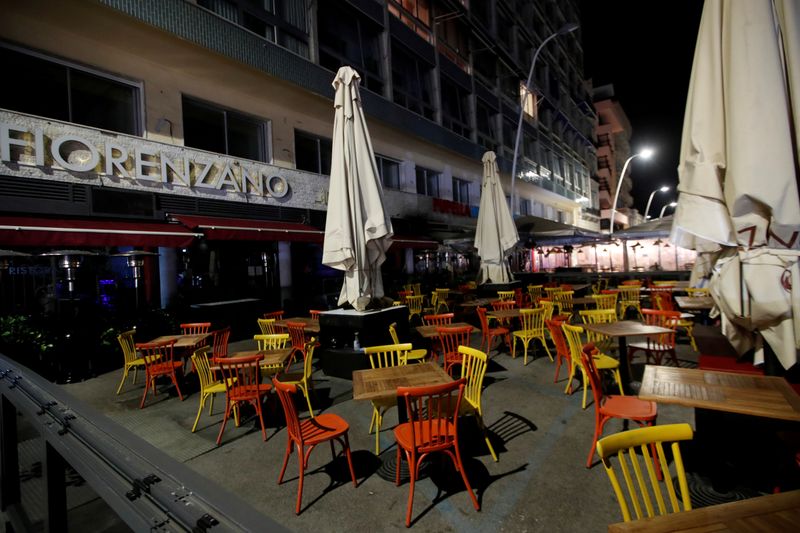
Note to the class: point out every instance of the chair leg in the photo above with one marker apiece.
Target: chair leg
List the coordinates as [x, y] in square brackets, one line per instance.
[525, 342]
[618, 379]
[378, 424]
[224, 421]
[174, 379]
[598, 430]
[146, 387]
[302, 467]
[308, 400]
[200, 409]
[412, 472]
[122, 381]
[261, 418]
[558, 369]
[349, 459]
[585, 386]
[285, 460]
[479, 419]
[460, 468]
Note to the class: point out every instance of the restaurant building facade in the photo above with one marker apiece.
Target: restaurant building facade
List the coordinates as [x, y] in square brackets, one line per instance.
[201, 131]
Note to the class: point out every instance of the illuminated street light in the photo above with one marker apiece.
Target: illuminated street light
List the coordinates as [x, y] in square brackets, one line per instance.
[644, 154]
[671, 204]
[563, 30]
[665, 188]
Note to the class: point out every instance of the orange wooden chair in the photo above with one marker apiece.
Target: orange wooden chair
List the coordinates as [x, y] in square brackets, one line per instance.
[195, 328]
[159, 362]
[488, 334]
[656, 347]
[562, 350]
[441, 319]
[498, 305]
[220, 342]
[451, 338]
[304, 435]
[642, 412]
[297, 332]
[277, 315]
[242, 378]
[314, 313]
[432, 427]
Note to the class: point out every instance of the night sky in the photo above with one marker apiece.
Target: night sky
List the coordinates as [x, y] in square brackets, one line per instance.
[645, 49]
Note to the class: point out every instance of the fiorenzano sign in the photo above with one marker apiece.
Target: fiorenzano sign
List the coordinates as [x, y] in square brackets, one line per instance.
[136, 160]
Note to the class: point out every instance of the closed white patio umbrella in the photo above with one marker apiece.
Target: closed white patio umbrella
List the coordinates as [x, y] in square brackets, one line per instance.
[496, 233]
[357, 229]
[739, 205]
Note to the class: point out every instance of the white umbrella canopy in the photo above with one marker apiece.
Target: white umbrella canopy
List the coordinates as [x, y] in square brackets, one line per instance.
[358, 231]
[496, 233]
[739, 205]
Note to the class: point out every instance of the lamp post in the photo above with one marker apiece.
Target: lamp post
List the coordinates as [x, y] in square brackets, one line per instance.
[671, 204]
[665, 188]
[644, 154]
[563, 30]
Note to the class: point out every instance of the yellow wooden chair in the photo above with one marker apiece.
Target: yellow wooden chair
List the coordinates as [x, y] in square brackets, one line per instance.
[132, 359]
[505, 295]
[209, 386]
[664, 283]
[698, 291]
[274, 341]
[380, 357]
[605, 301]
[267, 326]
[564, 301]
[629, 296]
[601, 361]
[473, 369]
[303, 379]
[599, 316]
[535, 293]
[417, 355]
[532, 327]
[641, 483]
[414, 304]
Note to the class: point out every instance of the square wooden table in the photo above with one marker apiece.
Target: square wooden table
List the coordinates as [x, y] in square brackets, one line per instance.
[621, 330]
[431, 332]
[311, 324]
[774, 512]
[184, 341]
[748, 394]
[503, 314]
[382, 383]
[695, 303]
[478, 302]
[269, 358]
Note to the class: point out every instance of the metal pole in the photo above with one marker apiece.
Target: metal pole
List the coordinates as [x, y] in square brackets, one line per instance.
[566, 28]
[650, 200]
[616, 195]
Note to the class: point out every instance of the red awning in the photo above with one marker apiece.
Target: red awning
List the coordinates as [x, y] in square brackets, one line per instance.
[30, 231]
[404, 241]
[224, 229]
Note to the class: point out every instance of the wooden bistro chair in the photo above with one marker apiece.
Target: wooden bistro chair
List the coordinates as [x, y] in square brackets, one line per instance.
[304, 435]
[698, 291]
[473, 370]
[267, 326]
[276, 315]
[664, 301]
[416, 355]
[242, 379]
[605, 301]
[440, 319]
[629, 296]
[531, 328]
[195, 328]
[297, 332]
[488, 333]
[380, 357]
[414, 304]
[602, 342]
[498, 305]
[606, 407]
[535, 293]
[303, 379]
[656, 347]
[314, 313]
[275, 341]
[432, 427]
[600, 361]
[451, 338]
[220, 342]
[562, 350]
[209, 386]
[132, 358]
[641, 486]
[564, 301]
[159, 362]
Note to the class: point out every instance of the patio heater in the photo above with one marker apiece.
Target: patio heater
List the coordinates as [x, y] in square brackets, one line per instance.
[70, 261]
[135, 260]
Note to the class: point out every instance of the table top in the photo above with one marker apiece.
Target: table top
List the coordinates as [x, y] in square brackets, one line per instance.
[625, 328]
[505, 313]
[583, 300]
[478, 302]
[773, 512]
[274, 357]
[748, 394]
[184, 341]
[430, 332]
[311, 325]
[378, 383]
[695, 302]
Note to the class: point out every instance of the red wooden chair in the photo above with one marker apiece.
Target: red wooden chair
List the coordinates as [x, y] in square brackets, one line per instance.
[242, 378]
[314, 313]
[451, 338]
[657, 346]
[441, 319]
[297, 332]
[159, 362]
[195, 328]
[498, 305]
[302, 434]
[432, 427]
[277, 315]
[606, 407]
[562, 350]
[220, 342]
[488, 334]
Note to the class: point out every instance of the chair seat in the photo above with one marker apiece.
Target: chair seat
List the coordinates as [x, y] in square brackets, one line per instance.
[139, 361]
[422, 432]
[416, 355]
[248, 392]
[605, 362]
[165, 368]
[216, 388]
[628, 407]
[498, 331]
[323, 427]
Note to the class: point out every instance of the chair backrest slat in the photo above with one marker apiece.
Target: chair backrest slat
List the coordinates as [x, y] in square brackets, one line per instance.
[388, 354]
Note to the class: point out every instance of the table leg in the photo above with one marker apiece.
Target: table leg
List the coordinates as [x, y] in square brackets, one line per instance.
[630, 387]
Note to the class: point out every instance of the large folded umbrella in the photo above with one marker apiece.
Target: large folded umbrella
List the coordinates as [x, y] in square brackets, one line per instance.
[495, 234]
[357, 229]
[739, 205]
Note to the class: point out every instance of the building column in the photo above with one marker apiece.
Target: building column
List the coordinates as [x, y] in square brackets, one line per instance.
[285, 270]
[168, 274]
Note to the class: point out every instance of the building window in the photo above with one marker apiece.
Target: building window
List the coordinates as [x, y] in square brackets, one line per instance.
[486, 125]
[416, 14]
[524, 207]
[427, 182]
[389, 170]
[62, 91]
[461, 191]
[452, 41]
[212, 128]
[412, 83]
[455, 110]
[312, 152]
[349, 39]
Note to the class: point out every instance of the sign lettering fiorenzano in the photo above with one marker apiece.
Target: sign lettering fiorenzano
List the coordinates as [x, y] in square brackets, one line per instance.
[143, 164]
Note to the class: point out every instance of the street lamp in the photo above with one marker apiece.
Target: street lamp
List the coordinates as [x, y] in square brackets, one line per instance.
[665, 188]
[671, 204]
[563, 30]
[644, 154]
